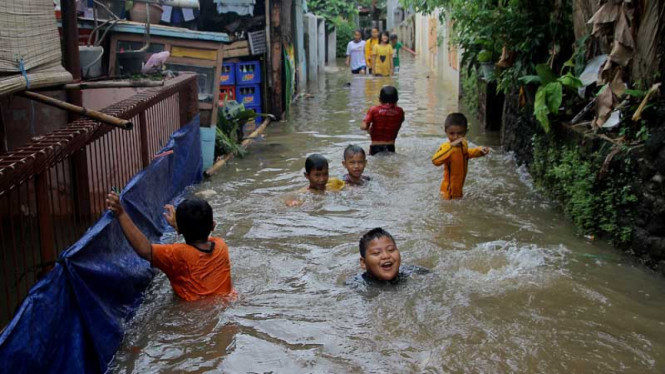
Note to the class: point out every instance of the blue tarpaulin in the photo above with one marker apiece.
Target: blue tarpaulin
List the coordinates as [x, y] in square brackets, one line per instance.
[73, 319]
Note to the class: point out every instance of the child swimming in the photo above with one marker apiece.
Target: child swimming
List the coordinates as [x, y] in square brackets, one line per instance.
[316, 172]
[199, 267]
[355, 162]
[454, 155]
[384, 121]
[381, 260]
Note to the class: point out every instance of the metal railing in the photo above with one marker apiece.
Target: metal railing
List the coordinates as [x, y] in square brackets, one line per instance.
[54, 188]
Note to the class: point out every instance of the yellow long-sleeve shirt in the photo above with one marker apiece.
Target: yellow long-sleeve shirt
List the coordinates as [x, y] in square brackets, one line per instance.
[455, 162]
[369, 48]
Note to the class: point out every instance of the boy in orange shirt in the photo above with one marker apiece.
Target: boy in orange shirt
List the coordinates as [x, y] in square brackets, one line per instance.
[199, 267]
[454, 155]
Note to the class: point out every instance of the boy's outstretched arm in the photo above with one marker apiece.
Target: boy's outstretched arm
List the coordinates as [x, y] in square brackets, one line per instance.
[478, 152]
[409, 49]
[138, 241]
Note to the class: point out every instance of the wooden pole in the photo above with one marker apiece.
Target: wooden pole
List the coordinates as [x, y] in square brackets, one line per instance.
[276, 107]
[98, 116]
[113, 84]
[245, 143]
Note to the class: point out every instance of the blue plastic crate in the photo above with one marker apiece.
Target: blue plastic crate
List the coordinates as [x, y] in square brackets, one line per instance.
[248, 72]
[257, 109]
[228, 77]
[250, 95]
[253, 125]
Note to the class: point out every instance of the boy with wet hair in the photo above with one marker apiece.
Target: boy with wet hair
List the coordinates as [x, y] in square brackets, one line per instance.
[384, 121]
[199, 267]
[454, 155]
[355, 162]
[397, 45]
[381, 260]
[316, 172]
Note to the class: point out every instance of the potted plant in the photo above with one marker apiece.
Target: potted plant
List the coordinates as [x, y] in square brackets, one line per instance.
[486, 65]
[138, 11]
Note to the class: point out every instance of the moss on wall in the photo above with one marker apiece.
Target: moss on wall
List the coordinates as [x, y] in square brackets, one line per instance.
[600, 200]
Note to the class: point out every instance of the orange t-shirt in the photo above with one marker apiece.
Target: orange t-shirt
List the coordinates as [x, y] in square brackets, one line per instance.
[193, 273]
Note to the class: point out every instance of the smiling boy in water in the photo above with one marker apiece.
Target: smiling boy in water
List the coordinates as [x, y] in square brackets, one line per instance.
[316, 172]
[355, 162]
[454, 155]
[381, 260]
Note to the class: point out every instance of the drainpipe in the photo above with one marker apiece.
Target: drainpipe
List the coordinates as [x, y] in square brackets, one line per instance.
[72, 62]
[70, 42]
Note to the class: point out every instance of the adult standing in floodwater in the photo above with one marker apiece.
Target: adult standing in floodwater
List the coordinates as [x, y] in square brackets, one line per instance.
[355, 54]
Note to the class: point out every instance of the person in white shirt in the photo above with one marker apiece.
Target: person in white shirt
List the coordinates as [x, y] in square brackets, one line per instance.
[355, 54]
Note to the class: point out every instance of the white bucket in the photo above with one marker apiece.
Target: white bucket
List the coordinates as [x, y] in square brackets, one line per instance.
[91, 61]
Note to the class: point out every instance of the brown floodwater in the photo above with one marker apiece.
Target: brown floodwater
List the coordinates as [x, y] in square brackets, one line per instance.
[514, 289]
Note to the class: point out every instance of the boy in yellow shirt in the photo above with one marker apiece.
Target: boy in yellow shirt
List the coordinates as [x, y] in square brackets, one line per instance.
[454, 155]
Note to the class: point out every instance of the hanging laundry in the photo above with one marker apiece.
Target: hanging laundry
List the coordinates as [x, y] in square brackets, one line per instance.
[240, 7]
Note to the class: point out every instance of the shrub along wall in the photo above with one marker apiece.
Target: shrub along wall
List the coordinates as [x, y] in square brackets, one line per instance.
[610, 191]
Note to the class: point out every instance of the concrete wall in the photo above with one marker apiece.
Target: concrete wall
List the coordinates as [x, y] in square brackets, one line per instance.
[331, 47]
[434, 48]
[311, 42]
[406, 31]
[299, 38]
[321, 43]
[391, 7]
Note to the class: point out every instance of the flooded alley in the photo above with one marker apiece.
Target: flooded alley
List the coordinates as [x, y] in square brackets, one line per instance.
[513, 288]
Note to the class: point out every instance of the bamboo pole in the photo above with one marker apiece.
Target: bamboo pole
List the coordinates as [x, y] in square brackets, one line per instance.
[113, 84]
[245, 143]
[98, 116]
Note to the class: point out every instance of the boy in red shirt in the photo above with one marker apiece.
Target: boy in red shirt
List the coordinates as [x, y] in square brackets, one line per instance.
[197, 268]
[384, 121]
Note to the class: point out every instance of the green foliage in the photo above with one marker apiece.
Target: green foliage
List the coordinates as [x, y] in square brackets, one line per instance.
[345, 30]
[470, 89]
[484, 56]
[231, 117]
[332, 10]
[597, 206]
[530, 29]
[550, 92]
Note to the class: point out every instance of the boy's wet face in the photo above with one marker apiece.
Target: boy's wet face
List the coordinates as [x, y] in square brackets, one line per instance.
[382, 259]
[318, 178]
[355, 165]
[455, 132]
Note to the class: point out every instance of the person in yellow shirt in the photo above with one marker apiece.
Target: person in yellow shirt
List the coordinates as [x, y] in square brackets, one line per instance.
[382, 57]
[454, 155]
[369, 47]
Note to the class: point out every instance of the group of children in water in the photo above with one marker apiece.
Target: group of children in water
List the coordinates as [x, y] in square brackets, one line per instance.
[378, 55]
[201, 267]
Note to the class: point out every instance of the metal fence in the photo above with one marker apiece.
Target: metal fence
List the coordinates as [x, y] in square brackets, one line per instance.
[54, 188]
